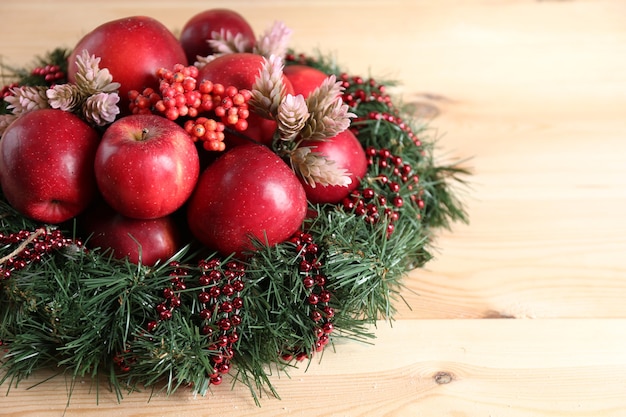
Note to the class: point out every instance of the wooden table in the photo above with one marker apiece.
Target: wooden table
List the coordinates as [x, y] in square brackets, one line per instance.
[523, 312]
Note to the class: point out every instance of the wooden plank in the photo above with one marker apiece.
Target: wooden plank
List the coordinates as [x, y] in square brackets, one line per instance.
[505, 368]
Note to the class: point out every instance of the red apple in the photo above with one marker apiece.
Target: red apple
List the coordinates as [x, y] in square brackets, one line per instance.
[347, 153]
[147, 241]
[303, 78]
[46, 160]
[241, 70]
[132, 49]
[146, 166]
[248, 192]
[197, 31]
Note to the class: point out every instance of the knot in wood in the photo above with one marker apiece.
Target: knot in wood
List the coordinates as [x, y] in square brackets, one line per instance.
[443, 377]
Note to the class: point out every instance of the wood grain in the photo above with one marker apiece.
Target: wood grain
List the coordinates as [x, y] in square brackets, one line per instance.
[457, 368]
[534, 93]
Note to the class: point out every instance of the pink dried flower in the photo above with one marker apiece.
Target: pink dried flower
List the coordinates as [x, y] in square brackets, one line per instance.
[329, 114]
[92, 79]
[268, 89]
[292, 116]
[25, 99]
[274, 41]
[101, 108]
[315, 168]
[224, 42]
[66, 97]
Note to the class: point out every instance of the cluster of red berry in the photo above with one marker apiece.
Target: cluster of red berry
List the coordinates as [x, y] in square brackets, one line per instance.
[6, 90]
[31, 246]
[318, 296]
[50, 73]
[392, 175]
[209, 108]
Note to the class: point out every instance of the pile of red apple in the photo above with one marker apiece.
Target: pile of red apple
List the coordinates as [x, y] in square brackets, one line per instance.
[142, 186]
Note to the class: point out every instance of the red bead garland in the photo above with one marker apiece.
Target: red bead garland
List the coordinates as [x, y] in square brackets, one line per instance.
[357, 90]
[393, 175]
[318, 297]
[217, 309]
[31, 247]
[396, 120]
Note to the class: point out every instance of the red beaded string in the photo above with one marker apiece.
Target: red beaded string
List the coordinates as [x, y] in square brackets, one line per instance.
[218, 288]
[31, 246]
[318, 297]
[393, 174]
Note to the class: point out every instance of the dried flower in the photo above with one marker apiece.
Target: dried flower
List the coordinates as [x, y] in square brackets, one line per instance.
[315, 168]
[268, 89]
[66, 97]
[327, 123]
[101, 108]
[224, 42]
[90, 78]
[292, 116]
[274, 41]
[329, 114]
[201, 61]
[26, 98]
[325, 94]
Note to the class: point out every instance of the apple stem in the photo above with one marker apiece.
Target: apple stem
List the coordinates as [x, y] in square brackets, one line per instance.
[144, 133]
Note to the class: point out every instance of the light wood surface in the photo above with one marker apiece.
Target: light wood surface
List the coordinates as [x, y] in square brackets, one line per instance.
[534, 92]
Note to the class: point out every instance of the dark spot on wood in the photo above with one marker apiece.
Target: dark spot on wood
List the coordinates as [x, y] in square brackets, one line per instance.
[493, 314]
[426, 105]
[443, 377]
[433, 96]
[422, 110]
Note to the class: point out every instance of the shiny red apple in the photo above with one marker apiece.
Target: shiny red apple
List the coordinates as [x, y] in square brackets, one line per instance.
[133, 49]
[198, 30]
[139, 240]
[146, 166]
[303, 78]
[249, 192]
[46, 160]
[347, 153]
[241, 70]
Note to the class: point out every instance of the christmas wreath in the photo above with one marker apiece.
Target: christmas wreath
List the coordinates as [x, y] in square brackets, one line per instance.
[288, 201]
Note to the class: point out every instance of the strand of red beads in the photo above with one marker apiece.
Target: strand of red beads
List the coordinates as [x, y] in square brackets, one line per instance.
[358, 90]
[398, 121]
[392, 175]
[219, 301]
[209, 108]
[30, 246]
[221, 313]
[318, 297]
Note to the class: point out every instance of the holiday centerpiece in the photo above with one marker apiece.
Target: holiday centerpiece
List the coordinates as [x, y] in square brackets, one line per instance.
[222, 206]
